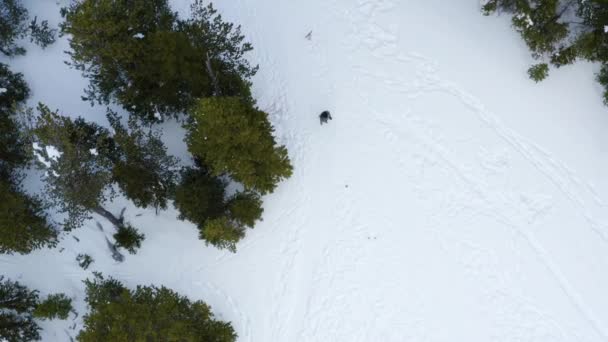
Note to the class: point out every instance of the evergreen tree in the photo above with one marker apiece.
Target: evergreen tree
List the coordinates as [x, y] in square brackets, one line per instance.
[17, 303]
[245, 208]
[233, 137]
[79, 173]
[222, 233]
[201, 199]
[19, 306]
[538, 72]
[142, 168]
[199, 196]
[147, 313]
[560, 31]
[54, 306]
[13, 145]
[138, 54]
[23, 223]
[128, 238]
[14, 26]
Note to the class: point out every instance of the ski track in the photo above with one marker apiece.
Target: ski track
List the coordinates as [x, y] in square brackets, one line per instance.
[381, 43]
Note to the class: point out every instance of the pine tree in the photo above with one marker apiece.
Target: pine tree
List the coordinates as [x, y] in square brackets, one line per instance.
[17, 303]
[128, 238]
[201, 199]
[79, 174]
[538, 72]
[138, 54]
[13, 145]
[147, 313]
[245, 208]
[560, 31]
[54, 306]
[232, 137]
[200, 196]
[23, 223]
[222, 233]
[141, 167]
[18, 307]
[14, 26]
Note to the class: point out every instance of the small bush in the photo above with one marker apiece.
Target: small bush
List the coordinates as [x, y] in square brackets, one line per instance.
[538, 72]
[84, 260]
[55, 306]
[222, 233]
[128, 238]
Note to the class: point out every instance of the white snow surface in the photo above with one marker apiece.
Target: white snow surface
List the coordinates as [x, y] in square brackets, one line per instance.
[450, 199]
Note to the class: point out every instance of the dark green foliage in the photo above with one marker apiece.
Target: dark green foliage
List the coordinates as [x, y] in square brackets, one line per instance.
[14, 26]
[560, 31]
[41, 33]
[222, 233]
[14, 296]
[78, 180]
[140, 55]
[23, 223]
[128, 238]
[54, 306]
[199, 196]
[233, 137]
[224, 50]
[148, 314]
[142, 168]
[602, 77]
[538, 72]
[245, 208]
[84, 260]
[13, 145]
[17, 304]
[201, 199]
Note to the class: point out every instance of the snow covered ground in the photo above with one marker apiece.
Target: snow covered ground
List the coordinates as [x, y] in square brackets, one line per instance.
[450, 199]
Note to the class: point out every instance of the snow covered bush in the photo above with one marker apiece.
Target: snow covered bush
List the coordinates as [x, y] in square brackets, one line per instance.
[147, 313]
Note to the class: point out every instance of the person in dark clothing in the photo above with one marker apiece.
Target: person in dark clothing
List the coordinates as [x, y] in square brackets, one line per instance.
[323, 117]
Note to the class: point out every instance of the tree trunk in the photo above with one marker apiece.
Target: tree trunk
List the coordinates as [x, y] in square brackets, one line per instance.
[108, 215]
[213, 76]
